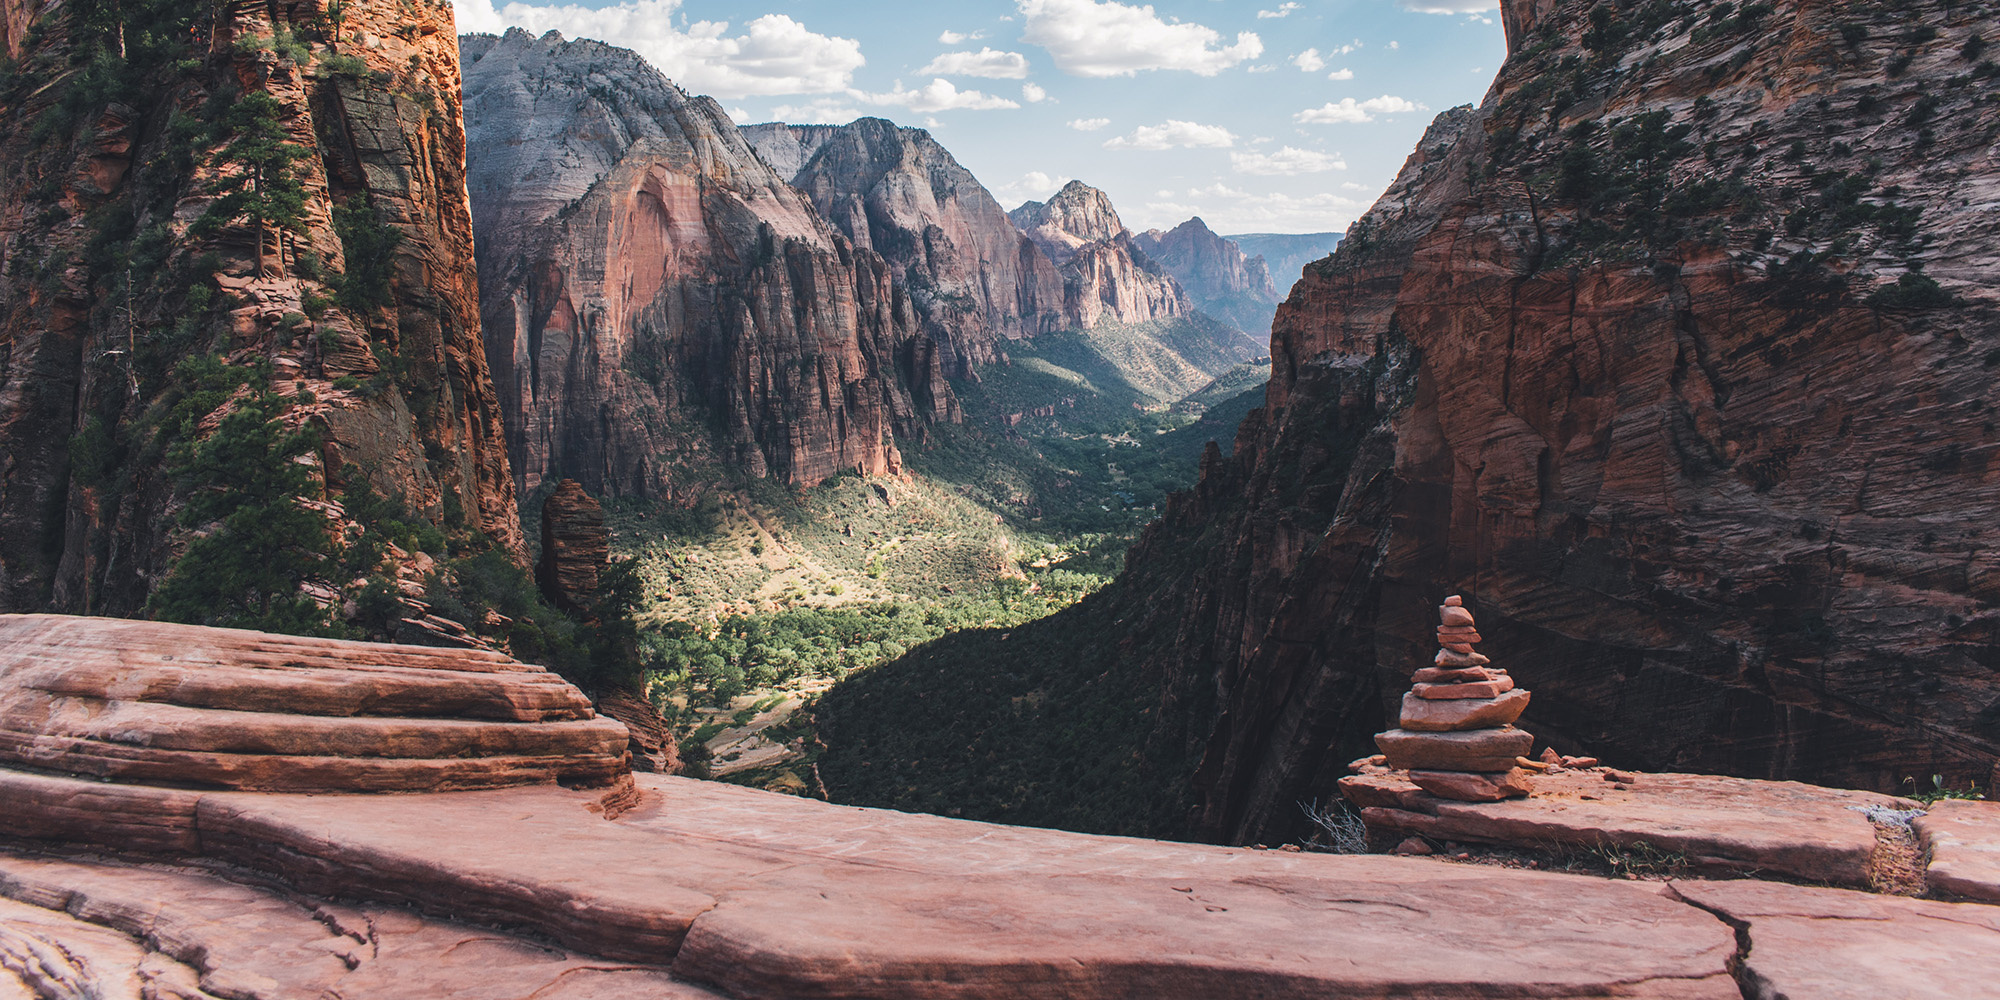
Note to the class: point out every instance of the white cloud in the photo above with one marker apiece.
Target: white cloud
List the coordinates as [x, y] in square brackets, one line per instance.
[990, 63]
[1395, 45]
[1228, 210]
[1286, 162]
[1448, 6]
[1033, 93]
[1088, 38]
[1173, 134]
[772, 55]
[1309, 61]
[825, 111]
[1089, 124]
[938, 95]
[1341, 74]
[1353, 46]
[954, 38]
[1032, 186]
[1347, 110]
[1284, 10]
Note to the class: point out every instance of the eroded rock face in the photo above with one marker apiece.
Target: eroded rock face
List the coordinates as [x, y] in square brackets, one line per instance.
[89, 352]
[1105, 278]
[575, 545]
[659, 299]
[1221, 279]
[1717, 471]
[973, 277]
[221, 708]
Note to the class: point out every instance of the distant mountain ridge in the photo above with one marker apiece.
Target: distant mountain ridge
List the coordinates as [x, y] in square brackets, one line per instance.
[1223, 281]
[669, 299]
[1287, 254]
[646, 276]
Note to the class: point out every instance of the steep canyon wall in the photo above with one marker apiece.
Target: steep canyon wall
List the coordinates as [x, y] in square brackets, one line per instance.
[131, 253]
[1674, 357]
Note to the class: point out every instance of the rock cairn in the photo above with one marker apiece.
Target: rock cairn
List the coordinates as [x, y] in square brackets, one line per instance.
[1457, 737]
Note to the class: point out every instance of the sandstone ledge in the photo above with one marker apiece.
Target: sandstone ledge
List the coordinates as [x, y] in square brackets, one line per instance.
[223, 708]
[751, 894]
[1832, 944]
[762, 895]
[1963, 841]
[1780, 828]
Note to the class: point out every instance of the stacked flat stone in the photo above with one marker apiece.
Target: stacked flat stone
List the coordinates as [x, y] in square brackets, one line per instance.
[1457, 737]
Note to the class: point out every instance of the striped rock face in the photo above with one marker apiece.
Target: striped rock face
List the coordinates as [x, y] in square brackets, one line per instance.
[154, 703]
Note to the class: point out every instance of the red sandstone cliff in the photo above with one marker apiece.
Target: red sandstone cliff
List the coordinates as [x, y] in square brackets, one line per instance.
[658, 299]
[1221, 279]
[1675, 358]
[110, 285]
[1106, 279]
[974, 278]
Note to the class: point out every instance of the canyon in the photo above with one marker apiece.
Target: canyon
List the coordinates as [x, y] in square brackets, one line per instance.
[670, 300]
[1671, 356]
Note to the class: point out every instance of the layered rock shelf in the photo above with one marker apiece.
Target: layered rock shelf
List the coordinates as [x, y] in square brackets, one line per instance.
[222, 708]
[689, 890]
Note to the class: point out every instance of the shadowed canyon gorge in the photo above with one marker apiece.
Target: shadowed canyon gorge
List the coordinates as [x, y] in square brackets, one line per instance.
[1674, 356]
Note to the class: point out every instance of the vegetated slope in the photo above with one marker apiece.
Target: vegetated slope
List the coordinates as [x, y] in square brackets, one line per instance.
[660, 306]
[239, 291]
[1286, 254]
[1673, 357]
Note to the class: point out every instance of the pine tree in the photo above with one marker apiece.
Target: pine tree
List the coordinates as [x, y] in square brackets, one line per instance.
[265, 190]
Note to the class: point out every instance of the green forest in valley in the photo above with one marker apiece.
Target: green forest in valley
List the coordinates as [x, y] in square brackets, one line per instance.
[755, 600]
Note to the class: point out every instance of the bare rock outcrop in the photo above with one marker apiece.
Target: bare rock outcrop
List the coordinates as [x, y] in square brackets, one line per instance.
[1218, 275]
[1106, 278]
[659, 302]
[575, 546]
[973, 277]
[220, 708]
[114, 282]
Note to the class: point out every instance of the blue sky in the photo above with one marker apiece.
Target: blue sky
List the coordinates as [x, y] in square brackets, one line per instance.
[1258, 115]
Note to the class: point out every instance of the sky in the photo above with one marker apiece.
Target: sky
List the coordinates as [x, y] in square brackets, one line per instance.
[1281, 116]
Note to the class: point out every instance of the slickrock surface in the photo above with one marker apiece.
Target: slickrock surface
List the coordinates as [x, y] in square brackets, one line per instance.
[77, 927]
[575, 545]
[657, 299]
[772, 896]
[1963, 841]
[1831, 944]
[1775, 827]
[223, 708]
